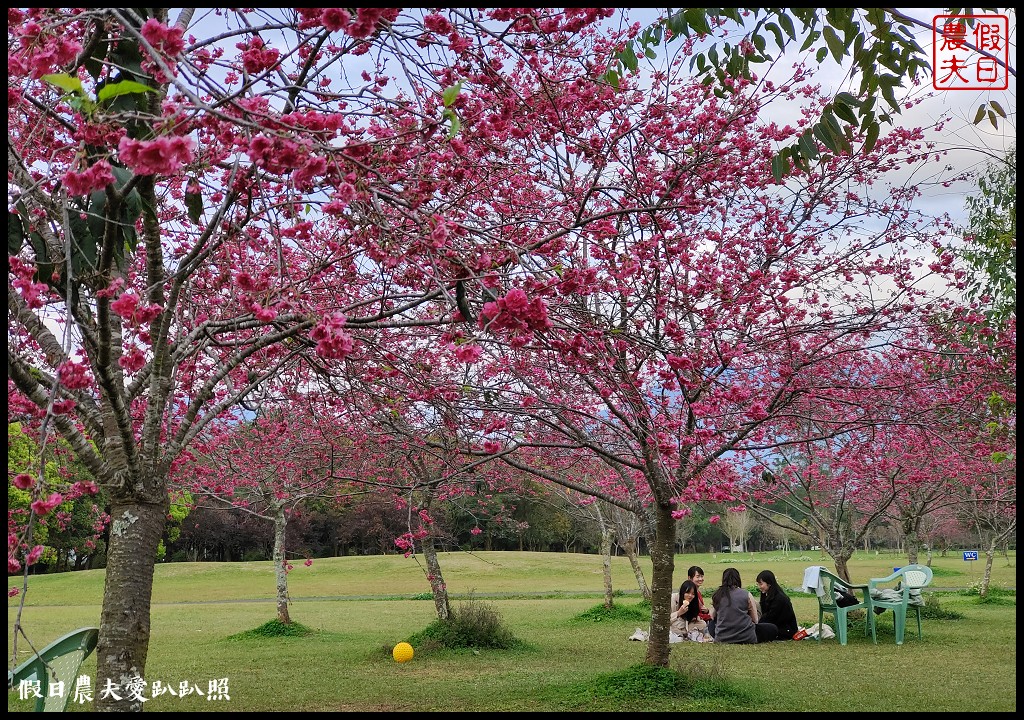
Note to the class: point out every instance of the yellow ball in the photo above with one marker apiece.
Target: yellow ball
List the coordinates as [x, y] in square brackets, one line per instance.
[402, 652]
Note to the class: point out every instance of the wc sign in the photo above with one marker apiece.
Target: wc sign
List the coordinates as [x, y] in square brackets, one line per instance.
[970, 555]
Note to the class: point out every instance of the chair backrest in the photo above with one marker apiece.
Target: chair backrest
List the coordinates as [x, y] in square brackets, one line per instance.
[829, 581]
[58, 662]
[916, 576]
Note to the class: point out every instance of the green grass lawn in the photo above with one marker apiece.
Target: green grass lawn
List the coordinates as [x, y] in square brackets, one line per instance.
[359, 607]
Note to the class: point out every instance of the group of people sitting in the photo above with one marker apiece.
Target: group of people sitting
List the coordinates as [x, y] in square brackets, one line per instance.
[733, 616]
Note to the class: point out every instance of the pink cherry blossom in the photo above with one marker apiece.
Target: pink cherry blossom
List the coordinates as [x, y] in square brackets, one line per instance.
[162, 156]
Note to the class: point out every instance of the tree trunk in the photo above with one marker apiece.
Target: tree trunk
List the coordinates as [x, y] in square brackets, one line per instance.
[281, 564]
[842, 569]
[663, 560]
[436, 579]
[629, 547]
[606, 561]
[135, 531]
[990, 555]
[913, 541]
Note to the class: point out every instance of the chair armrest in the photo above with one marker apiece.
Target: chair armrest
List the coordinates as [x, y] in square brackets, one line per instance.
[875, 582]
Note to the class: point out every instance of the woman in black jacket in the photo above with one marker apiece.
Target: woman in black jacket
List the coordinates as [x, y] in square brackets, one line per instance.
[776, 607]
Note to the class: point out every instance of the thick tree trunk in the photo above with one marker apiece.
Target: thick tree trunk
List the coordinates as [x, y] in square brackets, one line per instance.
[437, 585]
[842, 569]
[281, 564]
[663, 560]
[135, 531]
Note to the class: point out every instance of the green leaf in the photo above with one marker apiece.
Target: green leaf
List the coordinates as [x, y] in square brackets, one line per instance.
[872, 137]
[628, 57]
[826, 137]
[812, 38]
[696, 19]
[845, 113]
[835, 45]
[65, 82]
[778, 167]
[821, 54]
[456, 124]
[848, 99]
[612, 78]
[992, 119]
[980, 115]
[125, 87]
[998, 108]
[15, 233]
[451, 94]
[807, 146]
[787, 25]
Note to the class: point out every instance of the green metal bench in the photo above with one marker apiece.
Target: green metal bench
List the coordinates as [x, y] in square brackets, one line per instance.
[911, 580]
[57, 662]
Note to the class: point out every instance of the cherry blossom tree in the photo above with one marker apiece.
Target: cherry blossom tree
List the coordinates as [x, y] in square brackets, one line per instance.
[197, 203]
[270, 468]
[710, 302]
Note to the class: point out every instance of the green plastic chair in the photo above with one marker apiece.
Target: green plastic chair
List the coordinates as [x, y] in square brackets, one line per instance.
[910, 579]
[57, 662]
[827, 604]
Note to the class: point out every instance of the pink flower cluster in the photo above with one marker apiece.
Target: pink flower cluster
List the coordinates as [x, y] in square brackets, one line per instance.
[165, 40]
[515, 312]
[468, 353]
[679, 363]
[74, 376]
[83, 183]
[335, 19]
[34, 554]
[256, 57]
[44, 53]
[23, 481]
[439, 235]
[24, 273]
[276, 155]
[164, 155]
[128, 307]
[44, 507]
[332, 341]
[132, 360]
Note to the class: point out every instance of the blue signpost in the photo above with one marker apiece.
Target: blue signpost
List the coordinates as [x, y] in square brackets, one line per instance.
[970, 556]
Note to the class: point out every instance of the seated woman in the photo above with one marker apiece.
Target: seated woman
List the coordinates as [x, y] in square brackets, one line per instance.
[735, 613]
[686, 618]
[776, 607]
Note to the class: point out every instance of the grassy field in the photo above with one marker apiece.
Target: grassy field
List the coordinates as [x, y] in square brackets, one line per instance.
[359, 607]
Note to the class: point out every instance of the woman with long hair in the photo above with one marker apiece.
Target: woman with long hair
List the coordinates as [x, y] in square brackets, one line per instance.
[736, 614]
[776, 607]
[686, 619]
